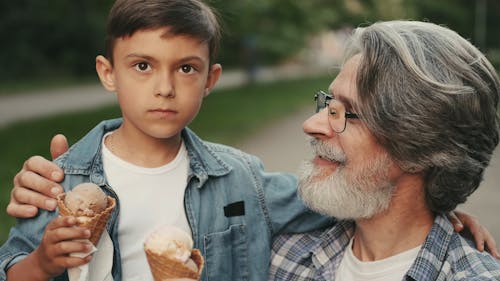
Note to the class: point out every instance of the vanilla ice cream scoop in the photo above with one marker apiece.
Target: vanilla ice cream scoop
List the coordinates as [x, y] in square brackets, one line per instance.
[86, 199]
[170, 254]
[171, 241]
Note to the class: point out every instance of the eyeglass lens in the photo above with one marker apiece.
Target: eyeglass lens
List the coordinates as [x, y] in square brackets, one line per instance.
[336, 110]
[336, 115]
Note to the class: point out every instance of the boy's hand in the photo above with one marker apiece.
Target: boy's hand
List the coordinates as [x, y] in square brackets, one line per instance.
[469, 227]
[36, 185]
[61, 238]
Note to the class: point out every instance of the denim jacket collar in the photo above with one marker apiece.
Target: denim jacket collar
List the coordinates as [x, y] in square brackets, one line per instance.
[203, 161]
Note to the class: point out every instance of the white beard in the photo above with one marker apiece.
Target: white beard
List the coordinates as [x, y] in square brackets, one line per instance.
[362, 194]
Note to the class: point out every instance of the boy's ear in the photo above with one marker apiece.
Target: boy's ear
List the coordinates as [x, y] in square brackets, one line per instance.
[104, 70]
[213, 76]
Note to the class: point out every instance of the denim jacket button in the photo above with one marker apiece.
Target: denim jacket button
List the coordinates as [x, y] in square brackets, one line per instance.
[97, 178]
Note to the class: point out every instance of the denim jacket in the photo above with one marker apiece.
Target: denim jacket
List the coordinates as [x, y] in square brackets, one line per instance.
[234, 208]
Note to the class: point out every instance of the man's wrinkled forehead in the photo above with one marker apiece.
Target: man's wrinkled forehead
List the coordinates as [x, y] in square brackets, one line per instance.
[344, 87]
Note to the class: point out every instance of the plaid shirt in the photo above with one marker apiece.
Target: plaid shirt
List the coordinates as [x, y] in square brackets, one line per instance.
[445, 255]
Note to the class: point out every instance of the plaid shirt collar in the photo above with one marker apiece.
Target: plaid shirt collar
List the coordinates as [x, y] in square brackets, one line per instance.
[328, 253]
[316, 255]
[430, 259]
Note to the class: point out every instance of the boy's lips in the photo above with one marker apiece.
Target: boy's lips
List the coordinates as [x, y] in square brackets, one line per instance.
[163, 112]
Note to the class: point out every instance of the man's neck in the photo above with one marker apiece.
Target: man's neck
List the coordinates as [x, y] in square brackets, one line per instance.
[403, 226]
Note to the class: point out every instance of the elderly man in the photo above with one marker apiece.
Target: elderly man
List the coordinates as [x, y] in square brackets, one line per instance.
[402, 136]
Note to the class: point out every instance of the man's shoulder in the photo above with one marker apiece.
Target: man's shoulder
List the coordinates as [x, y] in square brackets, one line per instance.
[467, 263]
[446, 255]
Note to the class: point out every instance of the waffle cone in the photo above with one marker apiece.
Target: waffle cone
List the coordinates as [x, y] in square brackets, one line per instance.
[96, 224]
[164, 267]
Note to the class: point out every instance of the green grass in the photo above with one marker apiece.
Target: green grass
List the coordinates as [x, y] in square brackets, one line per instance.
[227, 116]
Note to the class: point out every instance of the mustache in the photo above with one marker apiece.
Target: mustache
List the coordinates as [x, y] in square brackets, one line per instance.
[327, 151]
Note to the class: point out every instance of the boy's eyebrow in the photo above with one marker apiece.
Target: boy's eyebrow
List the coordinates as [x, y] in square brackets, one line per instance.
[150, 58]
[191, 58]
[135, 55]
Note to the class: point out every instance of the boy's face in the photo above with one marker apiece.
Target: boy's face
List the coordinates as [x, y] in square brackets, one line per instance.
[160, 80]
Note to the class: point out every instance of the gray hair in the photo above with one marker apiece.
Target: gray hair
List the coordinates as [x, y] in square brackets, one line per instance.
[430, 98]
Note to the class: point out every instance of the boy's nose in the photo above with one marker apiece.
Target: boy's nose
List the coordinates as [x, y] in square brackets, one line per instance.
[318, 126]
[165, 86]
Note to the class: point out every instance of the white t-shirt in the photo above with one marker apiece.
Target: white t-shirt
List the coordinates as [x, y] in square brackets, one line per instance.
[389, 269]
[149, 198]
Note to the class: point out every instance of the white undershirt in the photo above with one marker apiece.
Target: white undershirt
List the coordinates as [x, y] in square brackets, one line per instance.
[149, 198]
[389, 269]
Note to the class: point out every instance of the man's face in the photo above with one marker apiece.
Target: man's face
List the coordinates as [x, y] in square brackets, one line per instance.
[351, 175]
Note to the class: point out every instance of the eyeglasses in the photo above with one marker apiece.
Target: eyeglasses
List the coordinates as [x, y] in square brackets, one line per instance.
[337, 114]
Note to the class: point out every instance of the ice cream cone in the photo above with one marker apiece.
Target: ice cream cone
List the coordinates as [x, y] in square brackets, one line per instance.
[163, 267]
[96, 224]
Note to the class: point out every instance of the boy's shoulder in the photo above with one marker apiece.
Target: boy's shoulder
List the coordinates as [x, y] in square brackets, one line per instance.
[218, 159]
[81, 154]
[226, 149]
[205, 148]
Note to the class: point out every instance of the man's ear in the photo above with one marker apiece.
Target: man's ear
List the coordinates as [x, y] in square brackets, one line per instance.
[104, 70]
[213, 76]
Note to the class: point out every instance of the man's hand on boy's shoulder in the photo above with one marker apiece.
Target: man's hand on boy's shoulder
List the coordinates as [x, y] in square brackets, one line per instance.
[36, 185]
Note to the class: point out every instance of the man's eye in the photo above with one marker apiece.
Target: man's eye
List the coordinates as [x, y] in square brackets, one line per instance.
[333, 112]
[142, 66]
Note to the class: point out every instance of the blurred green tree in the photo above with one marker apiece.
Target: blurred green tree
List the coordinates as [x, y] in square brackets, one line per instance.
[60, 37]
[47, 38]
[476, 20]
[276, 28]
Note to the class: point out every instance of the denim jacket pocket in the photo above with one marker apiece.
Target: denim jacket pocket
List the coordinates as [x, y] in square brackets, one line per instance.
[226, 254]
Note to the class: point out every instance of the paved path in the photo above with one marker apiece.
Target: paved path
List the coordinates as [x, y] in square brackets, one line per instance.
[282, 146]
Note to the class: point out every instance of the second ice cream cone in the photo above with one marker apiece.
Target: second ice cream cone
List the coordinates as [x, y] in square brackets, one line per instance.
[164, 267]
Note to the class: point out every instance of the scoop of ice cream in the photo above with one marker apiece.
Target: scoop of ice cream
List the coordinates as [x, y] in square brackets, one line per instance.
[171, 241]
[191, 265]
[86, 199]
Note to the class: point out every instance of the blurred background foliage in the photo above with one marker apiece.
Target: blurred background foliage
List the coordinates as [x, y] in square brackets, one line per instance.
[53, 38]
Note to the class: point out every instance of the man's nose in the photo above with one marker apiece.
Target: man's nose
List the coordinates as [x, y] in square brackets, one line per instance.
[318, 126]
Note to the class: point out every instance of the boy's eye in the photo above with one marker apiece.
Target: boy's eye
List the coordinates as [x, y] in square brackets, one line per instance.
[142, 66]
[186, 68]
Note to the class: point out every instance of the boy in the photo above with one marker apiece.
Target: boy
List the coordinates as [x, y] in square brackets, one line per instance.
[160, 62]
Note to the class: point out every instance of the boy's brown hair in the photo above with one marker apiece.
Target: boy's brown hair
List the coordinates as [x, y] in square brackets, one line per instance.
[182, 17]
